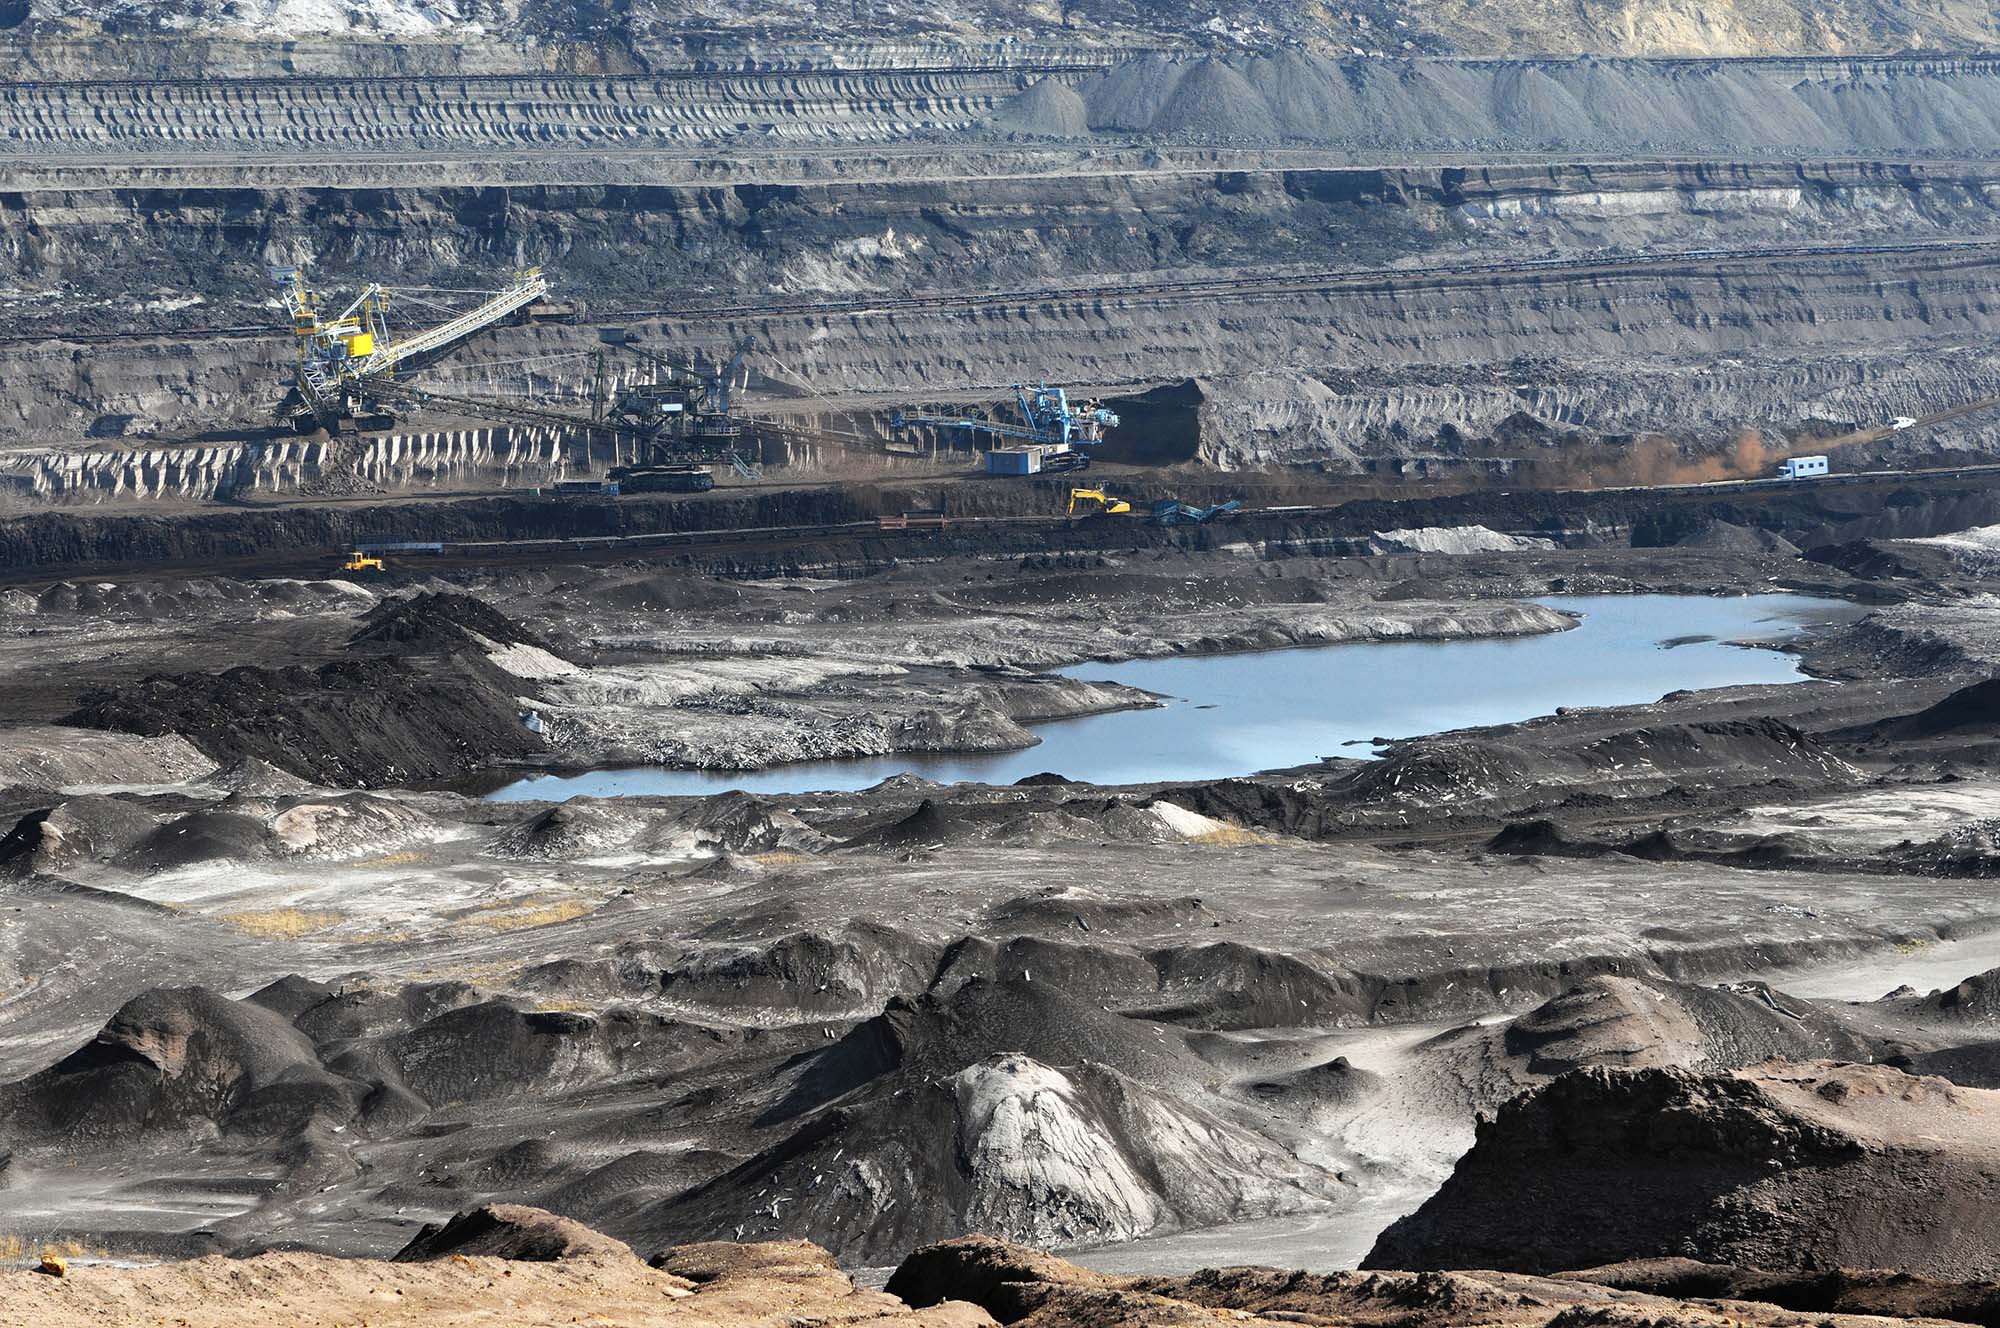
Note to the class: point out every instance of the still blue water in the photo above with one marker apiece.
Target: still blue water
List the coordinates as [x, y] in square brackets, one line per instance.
[1235, 714]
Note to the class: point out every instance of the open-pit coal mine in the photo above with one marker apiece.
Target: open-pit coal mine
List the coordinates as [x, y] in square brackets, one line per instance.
[1065, 665]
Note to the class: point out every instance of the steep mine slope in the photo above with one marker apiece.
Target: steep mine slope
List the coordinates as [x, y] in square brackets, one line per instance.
[1784, 1166]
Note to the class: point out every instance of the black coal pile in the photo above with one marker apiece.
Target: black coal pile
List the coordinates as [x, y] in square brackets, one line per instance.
[346, 724]
[444, 621]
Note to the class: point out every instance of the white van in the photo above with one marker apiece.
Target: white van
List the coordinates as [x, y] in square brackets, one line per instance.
[1802, 468]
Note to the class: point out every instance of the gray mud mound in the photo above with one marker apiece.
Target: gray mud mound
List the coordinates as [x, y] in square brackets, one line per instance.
[170, 600]
[1542, 838]
[1231, 985]
[939, 1035]
[932, 823]
[358, 1010]
[1723, 535]
[493, 1050]
[1049, 109]
[1086, 910]
[172, 1058]
[819, 974]
[511, 1231]
[1885, 559]
[204, 836]
[1642, 1023]
[1968, 712]
[941, 1116]
[250, 775]
[1787, 1166]
[1010, 1145]
[570, 830]
[1212, 100]
[291, 996]
[1975, 1000]
[1497, 778]
[1315, 1095]
[741, 823]
[1104, 973]
[81, 829]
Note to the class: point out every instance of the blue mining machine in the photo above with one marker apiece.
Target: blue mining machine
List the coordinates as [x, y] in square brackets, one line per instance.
[1046, 440]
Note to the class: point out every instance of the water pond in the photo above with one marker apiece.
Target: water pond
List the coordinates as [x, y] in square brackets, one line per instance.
[1236, 714]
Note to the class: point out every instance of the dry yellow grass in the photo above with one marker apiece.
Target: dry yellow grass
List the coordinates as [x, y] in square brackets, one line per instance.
[489, 974]
[14, 1248]
[782, 857]
[531, 915]
[281, 923]
[1230, 836]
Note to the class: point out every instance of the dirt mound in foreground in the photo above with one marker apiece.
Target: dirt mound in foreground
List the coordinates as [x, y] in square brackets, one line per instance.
[1785, 1166]
[969, 1282]
[1026, 1288]
[1877, 1291]
[510, 1231]
[593, 1280]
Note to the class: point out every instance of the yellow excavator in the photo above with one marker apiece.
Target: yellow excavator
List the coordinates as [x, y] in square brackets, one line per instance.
[1106, 504]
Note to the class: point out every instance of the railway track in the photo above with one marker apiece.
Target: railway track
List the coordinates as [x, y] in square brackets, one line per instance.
[1125, 294]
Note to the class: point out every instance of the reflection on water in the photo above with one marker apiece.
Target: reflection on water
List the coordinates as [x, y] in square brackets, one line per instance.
[1235, 714]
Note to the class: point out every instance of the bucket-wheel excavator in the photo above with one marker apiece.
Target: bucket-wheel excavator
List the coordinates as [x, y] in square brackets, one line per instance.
[348, 365]
[346, 359]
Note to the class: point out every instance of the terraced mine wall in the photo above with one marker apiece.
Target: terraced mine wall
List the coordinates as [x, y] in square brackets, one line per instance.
[134, 311]
[196, 255]
[1372, 367]
[1857, 107]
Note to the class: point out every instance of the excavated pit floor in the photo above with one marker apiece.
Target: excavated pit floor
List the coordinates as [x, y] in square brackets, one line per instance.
[1269, 926]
